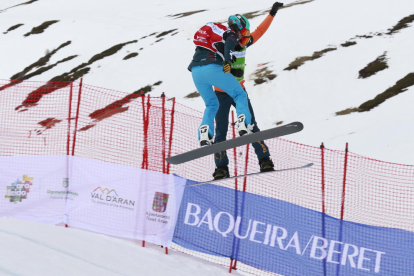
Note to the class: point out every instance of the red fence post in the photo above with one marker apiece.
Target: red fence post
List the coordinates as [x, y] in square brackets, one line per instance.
[344, 182]
[163, 133]
[69, 114]
[244, 186]
[323, 176]
[77, 117]
[236, 180]
[146, 132]
[343, 200]
[323, 198]
[234, 149]
[245, 168]
[144, 164]
[144, 120]
[68, 139]
[171, 133]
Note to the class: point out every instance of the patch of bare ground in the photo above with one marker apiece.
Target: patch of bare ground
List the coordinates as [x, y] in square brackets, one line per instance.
[64, 79]
[398, 88]
[374, 67]
[146, 89]
[82, 69]
[109, 52]
[41, 28]
[364, 36]
[25, 3]
[195, 94]
[347, 111]
[131, 55]
[165, 33]
[301, 60]
[402, 24]
[302, 2]
[348, 43]
[39, 63]
[263, 75]
[253, 14]
[184, 14]
[116, 107]
[14, 27]
[46, 68]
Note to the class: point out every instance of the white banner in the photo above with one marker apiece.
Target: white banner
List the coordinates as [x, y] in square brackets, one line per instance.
[28, 185]
[94, 195]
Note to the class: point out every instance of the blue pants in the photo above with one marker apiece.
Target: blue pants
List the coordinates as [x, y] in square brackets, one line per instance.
[207, 76]
[222, 125]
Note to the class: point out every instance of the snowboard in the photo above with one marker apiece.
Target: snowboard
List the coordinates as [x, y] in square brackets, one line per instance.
[236, 142]
[250, 174]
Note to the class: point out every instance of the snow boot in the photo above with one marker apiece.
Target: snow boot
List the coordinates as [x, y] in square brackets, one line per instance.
[266, 164]
[242, 127]
[221, 172]
[205, 139]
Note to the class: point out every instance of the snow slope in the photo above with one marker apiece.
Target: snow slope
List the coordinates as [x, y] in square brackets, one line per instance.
[34, 249]
[311, 94]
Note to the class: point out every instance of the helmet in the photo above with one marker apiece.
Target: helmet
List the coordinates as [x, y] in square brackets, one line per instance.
[238, 22]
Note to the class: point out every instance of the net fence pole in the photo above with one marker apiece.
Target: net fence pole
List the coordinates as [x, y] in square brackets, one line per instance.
[343, 203]
[77, 116]
[235, 185]
[171, 133]
[164, 169]
[344, 183]
[322, 147]
[68, 142]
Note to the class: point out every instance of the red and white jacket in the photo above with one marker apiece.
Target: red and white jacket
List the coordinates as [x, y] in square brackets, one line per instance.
[210, 36]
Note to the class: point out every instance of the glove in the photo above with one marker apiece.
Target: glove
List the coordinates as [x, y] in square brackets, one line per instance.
[275, 7]
[226, 67]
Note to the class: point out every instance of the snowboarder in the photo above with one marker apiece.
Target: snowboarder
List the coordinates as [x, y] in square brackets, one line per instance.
[211, 67]
[246, 39]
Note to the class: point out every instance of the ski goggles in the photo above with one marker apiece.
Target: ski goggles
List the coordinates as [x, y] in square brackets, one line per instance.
[245, 36]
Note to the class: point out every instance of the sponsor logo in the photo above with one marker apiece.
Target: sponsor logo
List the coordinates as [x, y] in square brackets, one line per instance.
[65, 182]
[18, 190]
[238, 65]
[111, 198]
[63, 194]
[314, 247]
[160, 202]
[238, 54]
[159, 205]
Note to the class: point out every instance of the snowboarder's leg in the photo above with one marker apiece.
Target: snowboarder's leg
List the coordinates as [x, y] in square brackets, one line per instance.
[201, 81]
[260, 148]
[227, 82]
[222, 125]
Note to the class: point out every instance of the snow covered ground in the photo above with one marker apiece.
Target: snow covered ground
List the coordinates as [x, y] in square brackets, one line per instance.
[311, 94]
[35, 249]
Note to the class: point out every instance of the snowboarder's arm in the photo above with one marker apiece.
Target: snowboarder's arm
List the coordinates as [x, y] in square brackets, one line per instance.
[259, 32]
[231, 41]
[261, 29]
